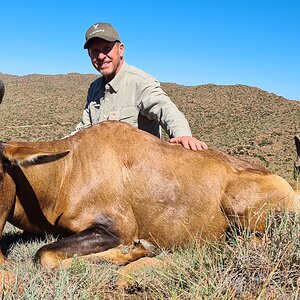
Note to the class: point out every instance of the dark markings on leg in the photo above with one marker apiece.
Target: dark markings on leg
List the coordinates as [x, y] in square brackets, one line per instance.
[91, 240]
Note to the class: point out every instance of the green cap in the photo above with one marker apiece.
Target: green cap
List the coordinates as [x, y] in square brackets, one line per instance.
[103, 31]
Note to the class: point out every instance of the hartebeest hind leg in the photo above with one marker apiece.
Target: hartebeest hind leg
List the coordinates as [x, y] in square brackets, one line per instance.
[249, 199]
[102, 243]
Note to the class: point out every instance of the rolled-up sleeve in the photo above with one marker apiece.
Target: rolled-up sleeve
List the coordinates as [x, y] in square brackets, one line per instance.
[155, 104]
[85, 120]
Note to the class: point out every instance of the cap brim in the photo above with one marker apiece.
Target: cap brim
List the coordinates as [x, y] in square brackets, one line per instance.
[103, 37]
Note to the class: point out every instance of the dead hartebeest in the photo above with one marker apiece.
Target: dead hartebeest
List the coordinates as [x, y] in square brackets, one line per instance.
[115, 191]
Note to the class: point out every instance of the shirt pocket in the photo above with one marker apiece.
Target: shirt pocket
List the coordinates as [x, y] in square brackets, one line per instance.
[129, 115]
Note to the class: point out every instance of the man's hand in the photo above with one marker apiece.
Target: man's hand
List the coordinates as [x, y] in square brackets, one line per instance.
[189, 142]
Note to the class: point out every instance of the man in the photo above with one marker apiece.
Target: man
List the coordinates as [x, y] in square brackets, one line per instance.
[125, 93]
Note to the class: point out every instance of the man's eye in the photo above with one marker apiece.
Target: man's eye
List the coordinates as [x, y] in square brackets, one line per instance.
[95, 52]
[106, 49]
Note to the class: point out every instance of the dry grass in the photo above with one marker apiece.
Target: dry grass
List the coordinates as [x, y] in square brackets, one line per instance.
[237, 269]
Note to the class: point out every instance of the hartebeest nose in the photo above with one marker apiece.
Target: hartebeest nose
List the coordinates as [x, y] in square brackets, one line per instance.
[2, 89]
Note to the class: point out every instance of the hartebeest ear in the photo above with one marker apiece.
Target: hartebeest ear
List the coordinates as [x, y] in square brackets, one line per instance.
[297, 143]
[26, 156]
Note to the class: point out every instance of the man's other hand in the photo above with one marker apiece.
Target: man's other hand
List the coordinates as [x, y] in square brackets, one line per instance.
[189, 142]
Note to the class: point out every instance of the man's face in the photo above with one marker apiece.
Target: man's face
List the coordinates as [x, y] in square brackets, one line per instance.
[106, 57]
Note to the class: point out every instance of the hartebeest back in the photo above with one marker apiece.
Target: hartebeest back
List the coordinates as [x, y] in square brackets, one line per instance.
[116, 190]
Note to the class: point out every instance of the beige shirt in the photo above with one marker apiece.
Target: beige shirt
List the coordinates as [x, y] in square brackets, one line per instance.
[136, 98]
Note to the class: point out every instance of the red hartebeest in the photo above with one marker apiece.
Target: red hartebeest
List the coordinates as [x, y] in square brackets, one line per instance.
[116, 190]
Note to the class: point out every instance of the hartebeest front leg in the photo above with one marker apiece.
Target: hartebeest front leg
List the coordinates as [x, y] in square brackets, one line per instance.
[120, 255]
[91, 240]
[95, 243]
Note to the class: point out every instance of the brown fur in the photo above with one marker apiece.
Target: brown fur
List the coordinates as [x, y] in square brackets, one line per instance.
[131, 186]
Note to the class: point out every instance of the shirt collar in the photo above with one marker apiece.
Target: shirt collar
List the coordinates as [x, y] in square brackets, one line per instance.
[115, 83]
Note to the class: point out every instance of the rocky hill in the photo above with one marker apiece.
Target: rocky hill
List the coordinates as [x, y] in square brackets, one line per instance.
[238, 119]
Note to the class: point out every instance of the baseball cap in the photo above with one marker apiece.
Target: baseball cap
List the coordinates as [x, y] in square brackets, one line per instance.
[103, 31]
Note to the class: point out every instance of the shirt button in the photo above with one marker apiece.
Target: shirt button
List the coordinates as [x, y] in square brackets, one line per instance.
[107, 87]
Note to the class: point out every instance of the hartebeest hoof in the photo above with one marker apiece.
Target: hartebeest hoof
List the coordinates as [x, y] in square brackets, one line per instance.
[151, 249]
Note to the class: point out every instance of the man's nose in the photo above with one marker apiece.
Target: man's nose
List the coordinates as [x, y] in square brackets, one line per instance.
[101, 55]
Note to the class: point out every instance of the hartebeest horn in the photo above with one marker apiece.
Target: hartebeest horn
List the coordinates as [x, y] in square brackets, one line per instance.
[2, 90]
[297, 164]
[297, 143]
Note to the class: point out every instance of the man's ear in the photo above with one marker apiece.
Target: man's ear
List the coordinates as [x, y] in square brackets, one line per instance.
[88, 52]
[121, 50]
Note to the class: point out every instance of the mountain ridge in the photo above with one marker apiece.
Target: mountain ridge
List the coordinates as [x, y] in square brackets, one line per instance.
[242, 120]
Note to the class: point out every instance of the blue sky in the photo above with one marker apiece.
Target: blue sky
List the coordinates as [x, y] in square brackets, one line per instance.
[256, 43]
